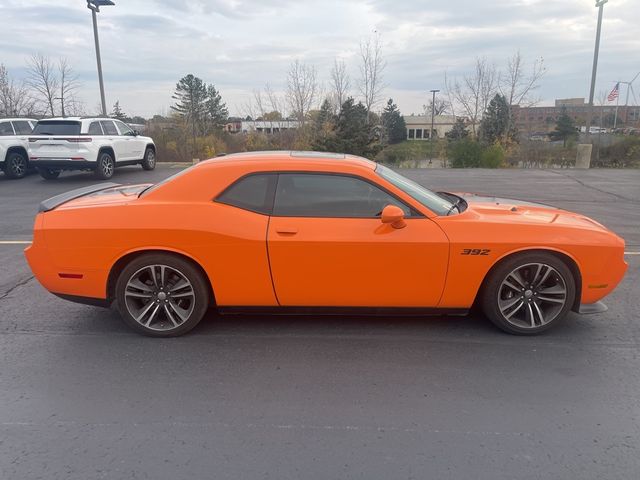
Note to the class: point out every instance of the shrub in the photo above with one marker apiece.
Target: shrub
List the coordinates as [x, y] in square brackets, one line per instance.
[492, 157]
[466, 154]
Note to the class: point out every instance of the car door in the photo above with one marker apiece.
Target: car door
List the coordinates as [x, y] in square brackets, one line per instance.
[119, 142]
[328, 247]
[135, 145]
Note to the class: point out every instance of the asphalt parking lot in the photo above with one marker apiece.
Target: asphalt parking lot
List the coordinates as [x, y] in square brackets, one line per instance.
[247, 397]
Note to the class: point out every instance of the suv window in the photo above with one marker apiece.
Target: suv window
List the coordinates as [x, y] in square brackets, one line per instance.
[94, 129]
[6, 129]
[108, 127]
[254, 193]
[57, 127]
[124, 129]
[334, 196]
[22, 127]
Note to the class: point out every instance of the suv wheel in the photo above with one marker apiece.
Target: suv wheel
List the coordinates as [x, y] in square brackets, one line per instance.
[149, 161]
[15, 165]
[48, 173]
[106, 166]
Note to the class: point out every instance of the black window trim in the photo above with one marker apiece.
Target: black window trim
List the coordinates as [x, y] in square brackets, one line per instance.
[271, 195]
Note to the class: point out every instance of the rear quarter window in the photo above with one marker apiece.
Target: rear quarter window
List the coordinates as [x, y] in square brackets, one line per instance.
[253, 193]
[6, 129]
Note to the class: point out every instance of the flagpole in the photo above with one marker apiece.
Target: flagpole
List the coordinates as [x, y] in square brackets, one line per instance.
[615, 118]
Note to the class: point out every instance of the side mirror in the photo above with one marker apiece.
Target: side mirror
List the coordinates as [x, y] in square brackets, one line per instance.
[393, 215]
[136, 133]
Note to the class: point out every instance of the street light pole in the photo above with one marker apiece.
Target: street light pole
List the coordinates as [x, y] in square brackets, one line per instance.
[433, 112]
[600, 4]
[94, 6]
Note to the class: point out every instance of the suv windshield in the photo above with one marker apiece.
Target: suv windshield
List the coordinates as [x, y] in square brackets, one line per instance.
[57, 127]
[429, 199]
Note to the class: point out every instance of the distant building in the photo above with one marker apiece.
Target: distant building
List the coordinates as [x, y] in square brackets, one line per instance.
[263, 126]
[419, 126]
[532, 120]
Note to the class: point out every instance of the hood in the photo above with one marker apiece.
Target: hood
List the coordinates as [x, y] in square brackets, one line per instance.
[501, 210]
[102, 194]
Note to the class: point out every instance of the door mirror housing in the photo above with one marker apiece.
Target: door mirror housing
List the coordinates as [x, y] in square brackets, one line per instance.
[136, 133]
[394, 216]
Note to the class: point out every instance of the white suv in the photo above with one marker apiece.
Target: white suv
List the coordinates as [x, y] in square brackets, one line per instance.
[13, 145]
[97, 144]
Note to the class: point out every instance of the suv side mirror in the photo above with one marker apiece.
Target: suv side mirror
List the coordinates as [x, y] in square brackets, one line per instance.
[393, 215]
[136, 133]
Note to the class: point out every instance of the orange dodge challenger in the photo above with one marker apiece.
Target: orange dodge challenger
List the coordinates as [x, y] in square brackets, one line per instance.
[305, 231]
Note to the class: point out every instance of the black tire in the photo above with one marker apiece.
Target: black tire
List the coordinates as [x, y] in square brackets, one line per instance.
[49, 173]
[528, 309]
[16, 165]
[106, 166]
[187, 311]
[149, 161]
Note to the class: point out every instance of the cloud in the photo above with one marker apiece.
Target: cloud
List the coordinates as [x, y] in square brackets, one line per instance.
[243, 44]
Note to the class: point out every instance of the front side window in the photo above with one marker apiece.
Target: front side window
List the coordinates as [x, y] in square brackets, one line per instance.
[6, 129]
[330, 196]
[22, 127]
[253, 193]
[109, 128]
[124, 129]
[429, 199]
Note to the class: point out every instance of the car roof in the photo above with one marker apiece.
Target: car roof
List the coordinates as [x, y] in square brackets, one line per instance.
[76, 119]
[18, 119]
[294, 157]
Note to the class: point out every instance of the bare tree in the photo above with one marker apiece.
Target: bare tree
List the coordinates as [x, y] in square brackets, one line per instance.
[517, 85]
[42, 79]
[14, 98]
[371, 72]
[474, 92]
[68, 86]
[440, 107]
[302, 89]
[340, 83]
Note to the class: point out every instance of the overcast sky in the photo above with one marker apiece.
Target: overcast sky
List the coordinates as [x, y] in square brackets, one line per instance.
[240, 45]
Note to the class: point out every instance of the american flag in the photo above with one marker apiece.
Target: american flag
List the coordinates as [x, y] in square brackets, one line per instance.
[615, 93]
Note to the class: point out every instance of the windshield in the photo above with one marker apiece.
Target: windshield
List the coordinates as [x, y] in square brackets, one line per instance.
[429, 199]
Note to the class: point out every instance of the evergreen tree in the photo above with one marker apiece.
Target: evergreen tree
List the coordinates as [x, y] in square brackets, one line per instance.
[496, 125]
[394, 128]
[190, 96]
[351, 133]
[117, 111]
[325, 117]
[565, 127]
[459, 131]
[216, 112]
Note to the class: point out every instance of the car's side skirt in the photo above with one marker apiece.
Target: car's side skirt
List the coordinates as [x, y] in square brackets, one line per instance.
[368, 311]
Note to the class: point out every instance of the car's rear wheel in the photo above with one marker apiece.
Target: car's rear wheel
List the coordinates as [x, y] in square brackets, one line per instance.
[529, 293]
[49, 173]
[161, 295]
[16, 165]
[105, 167]
[149, 161]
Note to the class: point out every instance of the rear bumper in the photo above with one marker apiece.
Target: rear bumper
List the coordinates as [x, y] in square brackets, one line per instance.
[62, 163]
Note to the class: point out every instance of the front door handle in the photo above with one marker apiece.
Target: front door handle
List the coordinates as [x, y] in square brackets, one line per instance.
[286, 230]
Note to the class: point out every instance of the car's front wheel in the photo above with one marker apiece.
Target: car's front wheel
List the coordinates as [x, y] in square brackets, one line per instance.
[161, 295]
[16, 165]
[49, 173]
[529, 293]
[105, 167]
[149, 161]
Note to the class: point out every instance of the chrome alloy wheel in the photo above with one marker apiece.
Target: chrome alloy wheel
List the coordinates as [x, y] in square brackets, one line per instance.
[159, 297]
[532, 295]
[106, 164]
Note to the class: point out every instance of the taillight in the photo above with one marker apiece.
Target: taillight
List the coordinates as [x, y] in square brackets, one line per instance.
[78, 140]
